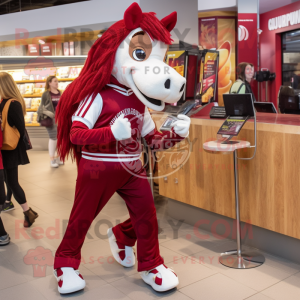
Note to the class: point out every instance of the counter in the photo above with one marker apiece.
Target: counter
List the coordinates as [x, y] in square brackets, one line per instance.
[269, 184]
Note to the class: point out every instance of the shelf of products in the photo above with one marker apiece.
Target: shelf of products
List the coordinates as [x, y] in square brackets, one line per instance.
[30, 74]
[43, 80]
[32, 89]
[33, 124]
[32, 95]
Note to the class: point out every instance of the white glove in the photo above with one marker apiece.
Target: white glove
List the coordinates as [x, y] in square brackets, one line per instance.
[121, 129]
[182, 126]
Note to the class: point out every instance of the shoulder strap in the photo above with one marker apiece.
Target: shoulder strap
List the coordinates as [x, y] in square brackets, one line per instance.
[236, 87]
[241, 86]
[5, 111]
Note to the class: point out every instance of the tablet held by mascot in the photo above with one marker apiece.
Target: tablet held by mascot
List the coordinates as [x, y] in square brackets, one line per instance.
[102, 116]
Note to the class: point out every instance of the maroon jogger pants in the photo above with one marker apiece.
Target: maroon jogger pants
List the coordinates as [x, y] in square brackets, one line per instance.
[96, 183]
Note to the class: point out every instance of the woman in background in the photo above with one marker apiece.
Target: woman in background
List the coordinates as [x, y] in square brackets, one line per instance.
[245, 73]
[47, 108]
[8, 205]
[4, 236]
[13, 158]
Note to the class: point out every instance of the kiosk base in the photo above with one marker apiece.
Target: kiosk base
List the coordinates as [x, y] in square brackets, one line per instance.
[246, 260]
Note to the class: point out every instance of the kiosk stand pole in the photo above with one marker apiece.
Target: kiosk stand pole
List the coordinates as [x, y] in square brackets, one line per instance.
[238, 259]
[237, 205]
[241, 106]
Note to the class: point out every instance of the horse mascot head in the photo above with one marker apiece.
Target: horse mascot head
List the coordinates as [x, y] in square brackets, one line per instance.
[132, 50]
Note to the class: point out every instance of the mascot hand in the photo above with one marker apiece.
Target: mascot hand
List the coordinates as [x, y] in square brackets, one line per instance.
[181, 127]
[121, 129]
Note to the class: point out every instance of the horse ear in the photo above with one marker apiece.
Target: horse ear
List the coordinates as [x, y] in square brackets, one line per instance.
[170, 21]
[133, 16]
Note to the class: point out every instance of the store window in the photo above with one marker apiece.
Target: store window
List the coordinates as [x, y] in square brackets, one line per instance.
[12, 6]
[291, 59]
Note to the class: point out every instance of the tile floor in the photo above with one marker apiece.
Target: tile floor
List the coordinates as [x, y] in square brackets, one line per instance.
[50, 192]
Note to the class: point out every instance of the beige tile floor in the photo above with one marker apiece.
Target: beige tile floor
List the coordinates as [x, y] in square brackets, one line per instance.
[51, 191]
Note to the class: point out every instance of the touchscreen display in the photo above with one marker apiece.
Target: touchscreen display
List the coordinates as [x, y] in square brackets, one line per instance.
[232, 126]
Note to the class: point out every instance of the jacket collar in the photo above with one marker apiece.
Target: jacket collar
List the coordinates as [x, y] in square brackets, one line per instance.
[118, 87]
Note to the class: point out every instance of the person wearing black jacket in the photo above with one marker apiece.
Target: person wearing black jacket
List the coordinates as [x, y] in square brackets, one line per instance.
[13, 158]
[4, 236]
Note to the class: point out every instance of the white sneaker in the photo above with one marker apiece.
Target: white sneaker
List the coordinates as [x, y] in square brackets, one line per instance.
[160, 278]
[53, 163]
[129, 260]
[59, 162]
[4, 240]
[69, 280]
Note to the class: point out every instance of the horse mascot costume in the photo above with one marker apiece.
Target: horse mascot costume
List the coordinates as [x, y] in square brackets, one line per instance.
[104, 113]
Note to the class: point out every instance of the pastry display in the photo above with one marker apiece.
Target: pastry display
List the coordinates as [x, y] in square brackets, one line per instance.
[35, 103]
[27, 102]
[29, 88]
[28, 117]
[33, 90]
[34, 118]
[63, 72]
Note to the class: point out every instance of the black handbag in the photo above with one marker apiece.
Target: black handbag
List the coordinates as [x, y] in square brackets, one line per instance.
[47, 122]
[27, 141]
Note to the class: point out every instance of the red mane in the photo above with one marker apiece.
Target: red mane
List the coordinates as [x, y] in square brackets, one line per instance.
[96, 74]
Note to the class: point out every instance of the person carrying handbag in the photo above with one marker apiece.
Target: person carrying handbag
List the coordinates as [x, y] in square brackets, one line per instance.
[12, 108]
[46, 116]
[4, 236]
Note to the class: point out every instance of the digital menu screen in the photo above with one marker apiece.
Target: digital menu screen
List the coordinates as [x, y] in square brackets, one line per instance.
[208, 76]
[232, 126]
[176, 60]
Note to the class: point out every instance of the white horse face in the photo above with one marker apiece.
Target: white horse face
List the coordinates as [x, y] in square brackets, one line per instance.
[139, 65]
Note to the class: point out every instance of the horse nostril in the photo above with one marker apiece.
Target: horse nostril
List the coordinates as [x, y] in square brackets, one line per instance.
[181, 88]
[167, 83]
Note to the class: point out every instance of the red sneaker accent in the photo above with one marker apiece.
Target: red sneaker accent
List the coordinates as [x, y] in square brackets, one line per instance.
[59, 272]
[158, 281]
[121, 253]
[82, 277]
[60, 283]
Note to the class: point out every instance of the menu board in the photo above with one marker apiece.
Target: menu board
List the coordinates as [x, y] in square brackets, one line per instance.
[232, 126]
[176, 60]
[206, 87]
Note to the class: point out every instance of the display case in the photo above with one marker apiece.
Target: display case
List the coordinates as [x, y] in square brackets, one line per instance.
[30, 74]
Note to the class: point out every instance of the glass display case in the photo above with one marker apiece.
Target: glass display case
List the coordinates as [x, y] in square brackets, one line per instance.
[30, 74]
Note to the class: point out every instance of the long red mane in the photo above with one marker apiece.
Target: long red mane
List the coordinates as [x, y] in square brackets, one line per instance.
[96, 74]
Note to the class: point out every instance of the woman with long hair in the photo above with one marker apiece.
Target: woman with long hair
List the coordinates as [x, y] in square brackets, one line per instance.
[47, 108]
[245, 74]
[13, 158]
[4, 236]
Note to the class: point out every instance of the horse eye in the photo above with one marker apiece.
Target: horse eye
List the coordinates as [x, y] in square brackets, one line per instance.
[139, 54]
